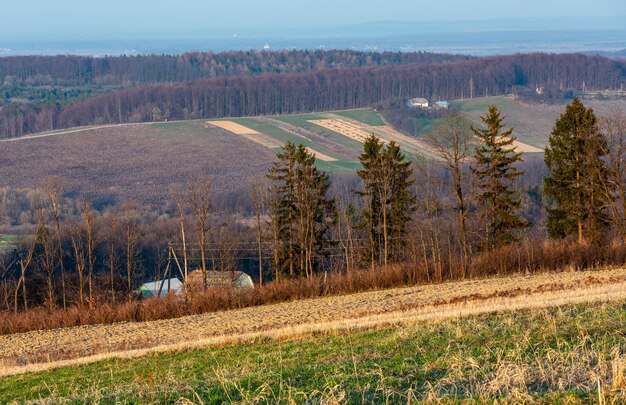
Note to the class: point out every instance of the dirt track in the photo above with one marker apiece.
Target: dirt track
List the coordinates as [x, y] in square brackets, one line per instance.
[41, 349]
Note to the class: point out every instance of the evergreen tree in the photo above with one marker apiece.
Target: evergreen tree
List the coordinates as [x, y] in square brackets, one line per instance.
[402, 201]
[389, 202]
[577, 172]
[495, 171]
[301, 211]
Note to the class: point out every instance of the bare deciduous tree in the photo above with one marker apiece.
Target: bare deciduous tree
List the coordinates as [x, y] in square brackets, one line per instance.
[452, 139]
[77, 237]
[258, 191]
[130, 233]
[613, 126]
[54, 189]
[198, 199]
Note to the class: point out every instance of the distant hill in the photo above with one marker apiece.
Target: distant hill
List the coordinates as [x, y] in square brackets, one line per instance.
[314, 91]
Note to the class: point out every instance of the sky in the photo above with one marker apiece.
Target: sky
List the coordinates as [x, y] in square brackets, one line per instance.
[110, 17]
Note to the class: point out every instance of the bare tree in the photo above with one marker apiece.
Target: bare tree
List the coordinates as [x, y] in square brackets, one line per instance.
[613, 126]
[198, 199]
[46, 260]
[344, 227]
[77, 237]
[111, 254]
[452, 139]
[130, 232]
[177, 196]
[88, 218]
[257, 189]
[54, 189]
[25, 261]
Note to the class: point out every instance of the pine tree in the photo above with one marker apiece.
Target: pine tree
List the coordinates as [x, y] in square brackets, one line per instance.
[496, 172]
[371, 162]
[389, 203]
[302, 213]
[577, 172]
[282, 209]
[402, 201]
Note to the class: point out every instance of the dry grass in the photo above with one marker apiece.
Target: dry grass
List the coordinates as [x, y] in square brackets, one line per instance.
[53, 348]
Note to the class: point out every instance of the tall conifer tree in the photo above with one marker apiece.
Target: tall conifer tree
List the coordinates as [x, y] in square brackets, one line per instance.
[496, 172]
[389, 203]
[577, 172]
[300, 209]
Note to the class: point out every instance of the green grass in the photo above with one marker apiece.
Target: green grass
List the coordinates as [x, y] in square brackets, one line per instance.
[555, 355]
[366, 116]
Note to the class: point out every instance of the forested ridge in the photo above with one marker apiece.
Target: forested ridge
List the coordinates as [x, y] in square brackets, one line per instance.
[317, 90]
[145, 69]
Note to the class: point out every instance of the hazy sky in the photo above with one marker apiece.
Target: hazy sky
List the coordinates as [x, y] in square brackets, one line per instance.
[75, 17]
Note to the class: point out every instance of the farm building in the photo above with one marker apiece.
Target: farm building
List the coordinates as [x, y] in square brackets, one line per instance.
[419, 102]
[234, 279]
[442, 104]
[160, 288]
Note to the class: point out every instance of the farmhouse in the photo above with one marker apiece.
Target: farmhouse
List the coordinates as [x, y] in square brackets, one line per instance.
[442, 104]
[160, 288]
[234, 279]
[418, 102]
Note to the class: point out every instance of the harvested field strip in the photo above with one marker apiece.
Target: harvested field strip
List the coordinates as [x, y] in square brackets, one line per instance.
[247, 133]
[52, 348]
[321, 156]
[233, 127]
[344, 128]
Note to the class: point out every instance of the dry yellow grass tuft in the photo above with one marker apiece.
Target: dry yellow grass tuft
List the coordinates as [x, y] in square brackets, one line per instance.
[40, 350]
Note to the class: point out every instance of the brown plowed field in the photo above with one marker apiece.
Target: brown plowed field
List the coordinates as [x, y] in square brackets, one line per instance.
[133, 162]
[41, 349]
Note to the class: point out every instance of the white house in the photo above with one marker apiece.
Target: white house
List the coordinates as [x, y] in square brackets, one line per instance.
[419, 102]
[442, 104]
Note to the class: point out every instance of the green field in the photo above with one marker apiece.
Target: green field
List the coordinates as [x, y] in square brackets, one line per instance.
[6, 241]
[366, 116]
[532, 123]
[574, 354]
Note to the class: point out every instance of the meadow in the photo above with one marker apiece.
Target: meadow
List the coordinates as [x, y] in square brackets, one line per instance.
[571, 354]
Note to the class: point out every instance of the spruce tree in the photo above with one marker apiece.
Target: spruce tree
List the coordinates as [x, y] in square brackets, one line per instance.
[386, 175]
[495, 170]
[301, 211]
[577, 171]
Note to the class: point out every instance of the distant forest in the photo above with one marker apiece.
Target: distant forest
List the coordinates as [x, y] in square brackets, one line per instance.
[137, 70]
[320, 81]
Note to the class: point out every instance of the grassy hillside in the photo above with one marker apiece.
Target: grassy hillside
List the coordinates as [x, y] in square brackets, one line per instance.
[139, 162]
[574, 354]
[532, 123]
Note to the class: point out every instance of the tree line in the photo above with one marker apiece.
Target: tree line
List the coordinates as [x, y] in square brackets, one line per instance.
[442, 219]
[127, 70]
[322, 90]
